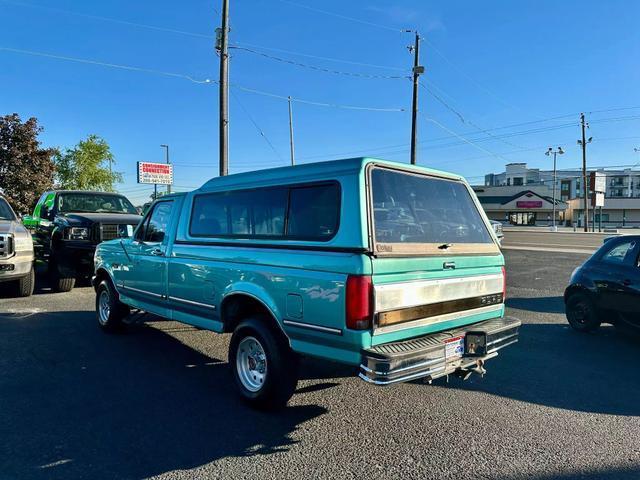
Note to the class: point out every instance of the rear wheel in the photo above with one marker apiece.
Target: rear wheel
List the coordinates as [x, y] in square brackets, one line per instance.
[581, 313]
[110, 312]
[60, 282]
[262, 364]
[26, 284]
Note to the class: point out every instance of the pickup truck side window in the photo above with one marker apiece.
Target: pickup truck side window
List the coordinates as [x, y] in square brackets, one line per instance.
[314, 212]
[155, 228]
[259, 213]
[309, 212]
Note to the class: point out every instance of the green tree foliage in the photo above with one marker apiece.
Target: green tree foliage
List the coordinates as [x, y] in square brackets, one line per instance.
[26, 170]
[87, 166]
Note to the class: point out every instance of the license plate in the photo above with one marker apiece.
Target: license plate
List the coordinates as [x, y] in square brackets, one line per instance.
[454, 347]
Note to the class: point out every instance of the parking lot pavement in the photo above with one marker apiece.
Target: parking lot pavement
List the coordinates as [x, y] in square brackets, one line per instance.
[158, 402]
[543, 240]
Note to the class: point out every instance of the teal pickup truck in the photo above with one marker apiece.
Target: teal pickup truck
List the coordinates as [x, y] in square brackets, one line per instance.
[391, 268]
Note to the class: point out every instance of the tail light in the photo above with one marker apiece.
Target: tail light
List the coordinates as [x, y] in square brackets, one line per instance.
[359, 302]
[504, 284]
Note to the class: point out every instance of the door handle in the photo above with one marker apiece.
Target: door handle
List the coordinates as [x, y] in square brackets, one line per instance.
[157, 252]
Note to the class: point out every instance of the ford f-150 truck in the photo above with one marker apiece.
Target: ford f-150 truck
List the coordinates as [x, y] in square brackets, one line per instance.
[391, 268]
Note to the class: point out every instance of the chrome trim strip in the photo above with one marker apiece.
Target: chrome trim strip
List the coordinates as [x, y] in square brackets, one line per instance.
[394, 296]
[411, 367]
[401, 379]
[144, 292]
[438, 319]
[445, 369]
[192, 302]
[334, 331]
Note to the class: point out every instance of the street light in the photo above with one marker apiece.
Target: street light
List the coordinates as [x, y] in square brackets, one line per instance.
[166, 147]
[548, 153]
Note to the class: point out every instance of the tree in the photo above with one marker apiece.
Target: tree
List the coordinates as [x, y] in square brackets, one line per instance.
[26, 170]
[87, 166]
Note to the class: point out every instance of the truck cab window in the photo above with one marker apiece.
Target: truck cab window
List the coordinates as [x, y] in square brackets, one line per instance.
[156, 227]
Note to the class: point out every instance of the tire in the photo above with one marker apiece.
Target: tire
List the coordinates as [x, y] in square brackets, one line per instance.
[263, 366]
[58, 282]
[581, 313]
[110, 312]
[26, 284]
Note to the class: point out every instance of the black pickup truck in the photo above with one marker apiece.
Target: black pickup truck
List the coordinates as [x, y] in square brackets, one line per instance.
[67, 225]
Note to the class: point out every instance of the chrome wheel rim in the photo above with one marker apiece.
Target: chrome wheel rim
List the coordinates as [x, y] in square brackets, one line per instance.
[104, 307]
[251, 364]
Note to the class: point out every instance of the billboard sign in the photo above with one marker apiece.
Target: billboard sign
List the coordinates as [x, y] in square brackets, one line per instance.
[598, 182]
[529, 204]
[155, 173]
[597, 199]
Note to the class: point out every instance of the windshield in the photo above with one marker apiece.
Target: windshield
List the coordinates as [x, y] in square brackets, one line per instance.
[410, 208]
[94, 202]
[5, 211]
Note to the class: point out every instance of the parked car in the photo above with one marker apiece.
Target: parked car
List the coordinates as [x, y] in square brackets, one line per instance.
[497, 229]
[16, 252]
[328, 260]
[606, 288]
[67, 225]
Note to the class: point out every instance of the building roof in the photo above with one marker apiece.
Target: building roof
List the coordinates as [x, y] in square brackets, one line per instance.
[504, 199]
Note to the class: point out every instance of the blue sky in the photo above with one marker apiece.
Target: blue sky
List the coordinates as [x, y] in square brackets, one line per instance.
[497, 64]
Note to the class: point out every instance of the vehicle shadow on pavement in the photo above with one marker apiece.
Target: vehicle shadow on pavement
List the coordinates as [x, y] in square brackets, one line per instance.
[537, 304]
[77, 403]
[615, 473]
[554, 366]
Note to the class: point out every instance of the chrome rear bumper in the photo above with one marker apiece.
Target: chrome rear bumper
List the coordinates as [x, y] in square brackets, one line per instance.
[424, 357]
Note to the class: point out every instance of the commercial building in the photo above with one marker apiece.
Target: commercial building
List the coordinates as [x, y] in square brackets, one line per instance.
[621, 206]
[530, 205]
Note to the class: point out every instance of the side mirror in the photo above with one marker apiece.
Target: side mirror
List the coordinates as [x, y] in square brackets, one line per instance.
[44, 212]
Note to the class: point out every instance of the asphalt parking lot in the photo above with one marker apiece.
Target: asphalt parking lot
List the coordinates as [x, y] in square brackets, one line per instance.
[158, 402]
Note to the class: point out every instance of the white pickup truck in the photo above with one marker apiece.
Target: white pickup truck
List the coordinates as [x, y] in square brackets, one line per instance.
[16, 252]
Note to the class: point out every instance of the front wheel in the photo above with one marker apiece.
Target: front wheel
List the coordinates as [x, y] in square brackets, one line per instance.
[26, 284]
[110, 312]
[262, 364]
[581, 313]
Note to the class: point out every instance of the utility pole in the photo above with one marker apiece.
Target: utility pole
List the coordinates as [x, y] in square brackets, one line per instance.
[293, 154]
[417, 70]
[583, 143]
[166, 147]
[553, 152]
[222, 46]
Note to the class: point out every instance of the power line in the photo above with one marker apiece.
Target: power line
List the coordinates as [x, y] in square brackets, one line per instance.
[393, 29]
[320, 69]
[193, 34]
[105, 64]
[466, 140]
[343, 17]
[260, 131]
[109, 19]
[193, 80]
[463, 119]
[469, 77]
[446, 105]
[319, 57]
[319, 104]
